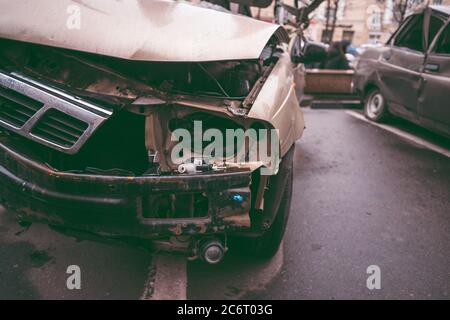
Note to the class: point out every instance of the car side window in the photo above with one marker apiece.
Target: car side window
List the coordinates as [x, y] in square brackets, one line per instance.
[443, 44]
[411, 36]
[435, 25]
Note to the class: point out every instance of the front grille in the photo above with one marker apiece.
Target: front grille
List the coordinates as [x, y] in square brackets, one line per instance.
[16, 109]
[59, 128]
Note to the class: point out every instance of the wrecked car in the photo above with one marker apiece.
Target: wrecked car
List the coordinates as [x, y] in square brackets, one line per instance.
[91, 94]
[410, 75]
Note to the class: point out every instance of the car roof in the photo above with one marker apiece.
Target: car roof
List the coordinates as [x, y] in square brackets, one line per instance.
[442, 9]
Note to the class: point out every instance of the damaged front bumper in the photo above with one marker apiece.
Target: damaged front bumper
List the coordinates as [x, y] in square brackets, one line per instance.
[147, 207]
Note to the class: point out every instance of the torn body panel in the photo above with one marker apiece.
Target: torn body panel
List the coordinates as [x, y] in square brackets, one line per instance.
[265, 93]
[118, 178]
[154, 35]
[278, 105]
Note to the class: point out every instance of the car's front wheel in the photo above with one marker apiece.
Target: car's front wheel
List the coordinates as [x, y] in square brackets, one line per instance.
[265, 246]
[375, 107]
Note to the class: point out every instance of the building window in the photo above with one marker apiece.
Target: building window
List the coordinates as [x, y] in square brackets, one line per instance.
[330, 12]
[375, 20]
[326, 36]
[374, 38]
[347, 35]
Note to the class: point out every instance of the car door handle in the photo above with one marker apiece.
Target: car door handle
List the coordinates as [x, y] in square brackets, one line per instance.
[431, 67]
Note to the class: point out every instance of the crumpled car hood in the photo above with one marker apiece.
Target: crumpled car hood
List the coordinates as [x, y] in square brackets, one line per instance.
[137, 29]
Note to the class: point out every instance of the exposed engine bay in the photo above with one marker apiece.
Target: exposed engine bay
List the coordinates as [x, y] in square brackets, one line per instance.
[88, 118]
[149, 99]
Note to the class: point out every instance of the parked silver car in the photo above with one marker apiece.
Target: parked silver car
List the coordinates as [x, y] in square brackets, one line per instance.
[409, 77]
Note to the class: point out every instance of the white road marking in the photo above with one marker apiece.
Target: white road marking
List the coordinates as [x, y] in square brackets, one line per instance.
[167, 279]
[405, 135]
[149, 284]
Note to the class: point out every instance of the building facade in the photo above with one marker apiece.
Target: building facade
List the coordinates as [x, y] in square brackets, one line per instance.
[362, 21]
[358, 21]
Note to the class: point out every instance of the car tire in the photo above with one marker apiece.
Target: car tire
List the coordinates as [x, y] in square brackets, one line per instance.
[266, 245]
[375, 107]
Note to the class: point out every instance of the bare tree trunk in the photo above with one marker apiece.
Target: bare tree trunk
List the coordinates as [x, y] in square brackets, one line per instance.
[330, 24]
[327, 24]
[333, 24]
[401, 9]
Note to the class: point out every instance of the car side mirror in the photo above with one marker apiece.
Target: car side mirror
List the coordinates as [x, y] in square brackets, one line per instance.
[308, 52]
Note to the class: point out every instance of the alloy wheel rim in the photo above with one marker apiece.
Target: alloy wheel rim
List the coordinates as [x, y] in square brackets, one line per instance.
[375, 105]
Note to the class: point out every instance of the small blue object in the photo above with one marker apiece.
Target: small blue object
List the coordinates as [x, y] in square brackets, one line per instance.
[238, 198]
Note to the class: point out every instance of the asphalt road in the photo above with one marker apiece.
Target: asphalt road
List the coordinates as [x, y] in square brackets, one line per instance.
[362, 196]
[34, 262]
